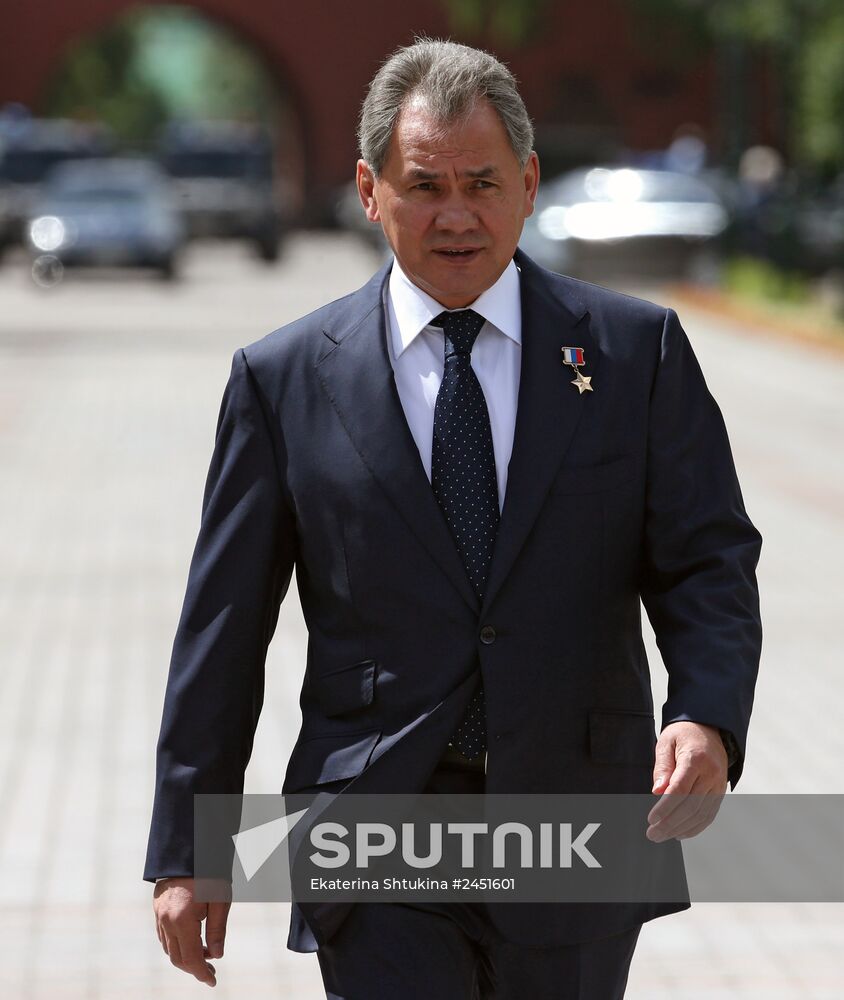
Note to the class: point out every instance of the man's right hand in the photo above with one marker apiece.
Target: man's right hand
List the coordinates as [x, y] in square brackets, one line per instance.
[178, 921]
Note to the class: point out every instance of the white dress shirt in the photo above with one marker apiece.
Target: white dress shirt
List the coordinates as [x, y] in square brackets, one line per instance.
[416, 352]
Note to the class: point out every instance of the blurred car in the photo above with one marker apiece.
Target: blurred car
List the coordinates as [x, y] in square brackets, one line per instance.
[29, 149]
[602, 221]
[803, 229]
[820, 230]
[5, 215]
[108, 213]
[225, 181]
[796, 224]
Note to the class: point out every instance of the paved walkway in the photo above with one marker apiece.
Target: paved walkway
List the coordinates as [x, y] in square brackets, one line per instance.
[108, 401]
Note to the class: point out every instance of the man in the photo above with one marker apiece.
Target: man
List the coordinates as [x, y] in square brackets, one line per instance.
[477, 468]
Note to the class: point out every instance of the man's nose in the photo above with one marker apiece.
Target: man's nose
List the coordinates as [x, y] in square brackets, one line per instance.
[455, 215]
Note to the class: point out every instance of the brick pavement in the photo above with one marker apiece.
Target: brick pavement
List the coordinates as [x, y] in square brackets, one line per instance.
[108, 400]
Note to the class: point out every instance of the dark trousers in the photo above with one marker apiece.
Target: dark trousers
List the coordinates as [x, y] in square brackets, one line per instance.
[451, 951]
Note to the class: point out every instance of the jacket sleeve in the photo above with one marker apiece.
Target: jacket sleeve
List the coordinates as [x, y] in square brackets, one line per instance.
[240, 570]
[701, 550]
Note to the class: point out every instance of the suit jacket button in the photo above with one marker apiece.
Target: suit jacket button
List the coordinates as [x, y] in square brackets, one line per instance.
[487, 635]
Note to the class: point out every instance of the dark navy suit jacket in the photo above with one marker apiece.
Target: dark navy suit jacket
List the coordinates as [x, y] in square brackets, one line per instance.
[628, 491]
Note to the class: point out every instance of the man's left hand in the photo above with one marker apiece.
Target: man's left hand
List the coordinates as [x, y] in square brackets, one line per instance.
[690, 776]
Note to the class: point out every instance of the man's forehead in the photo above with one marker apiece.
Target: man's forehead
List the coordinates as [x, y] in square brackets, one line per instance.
[431, 168]
[476, 142]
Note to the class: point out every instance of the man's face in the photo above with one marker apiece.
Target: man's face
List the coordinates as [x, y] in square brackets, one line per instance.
[452, 202]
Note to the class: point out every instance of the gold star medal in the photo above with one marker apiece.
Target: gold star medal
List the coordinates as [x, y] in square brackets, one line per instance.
[573, 357]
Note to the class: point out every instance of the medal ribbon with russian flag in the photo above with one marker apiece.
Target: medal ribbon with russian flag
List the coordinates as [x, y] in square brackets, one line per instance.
[573, 357]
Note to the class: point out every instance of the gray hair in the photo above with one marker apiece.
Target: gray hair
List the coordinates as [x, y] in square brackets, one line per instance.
[449, 79]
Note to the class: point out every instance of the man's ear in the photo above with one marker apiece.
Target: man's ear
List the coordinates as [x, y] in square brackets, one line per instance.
[531, 178]
[365, 181]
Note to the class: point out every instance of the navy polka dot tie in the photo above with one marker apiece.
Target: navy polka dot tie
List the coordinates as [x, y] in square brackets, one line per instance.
[464, 481]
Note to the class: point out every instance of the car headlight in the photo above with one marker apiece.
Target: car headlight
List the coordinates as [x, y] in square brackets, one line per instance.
[47, 233]
[552, 223]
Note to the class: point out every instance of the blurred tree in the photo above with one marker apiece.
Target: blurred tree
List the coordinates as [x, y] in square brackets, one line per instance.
[153, 64]
[805, 39]
[205, 71]
[822, 93]
[507, 21]
[99, 80]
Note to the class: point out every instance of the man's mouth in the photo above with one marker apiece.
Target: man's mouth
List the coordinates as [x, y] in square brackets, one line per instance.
[458, 253]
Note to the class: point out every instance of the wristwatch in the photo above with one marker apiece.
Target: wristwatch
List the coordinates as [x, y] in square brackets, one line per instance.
[731, 746]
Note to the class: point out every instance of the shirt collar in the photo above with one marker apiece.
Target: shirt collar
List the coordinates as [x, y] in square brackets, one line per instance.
[414, 309]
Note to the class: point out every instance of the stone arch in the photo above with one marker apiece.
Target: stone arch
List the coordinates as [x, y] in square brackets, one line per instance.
[325, 88]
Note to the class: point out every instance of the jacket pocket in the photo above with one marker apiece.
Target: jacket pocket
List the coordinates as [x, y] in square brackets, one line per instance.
[347, 689]
[321, 759]
[620, 737]
[593, 478]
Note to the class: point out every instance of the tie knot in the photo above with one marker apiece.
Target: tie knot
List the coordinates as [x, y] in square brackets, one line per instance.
[460, 329]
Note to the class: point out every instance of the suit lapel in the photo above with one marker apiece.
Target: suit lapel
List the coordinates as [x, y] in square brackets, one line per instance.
[357, 375]
[548, 409]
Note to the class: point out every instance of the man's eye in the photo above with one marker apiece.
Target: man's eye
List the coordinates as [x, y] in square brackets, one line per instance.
[483, 184]
[424, 186]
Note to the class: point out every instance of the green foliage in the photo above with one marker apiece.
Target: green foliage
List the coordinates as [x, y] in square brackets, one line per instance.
[756, 20]
[99, 80]
[763, 281]
[233, 84]
[504, 21]
[822, 96]
[690, 18]
[204, 71]
[807, 39]
[784, 294]
[156, 63]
